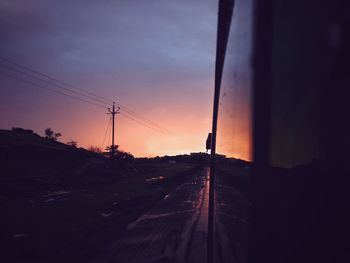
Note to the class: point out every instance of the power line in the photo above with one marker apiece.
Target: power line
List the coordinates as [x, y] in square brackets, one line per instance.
[193, 142]
[110, 134]
[51, 83]
[141, 123]
[56, 80]
[166, 131]
[104, 137]
[151, 123]
[81, 92]
[138, 118]
[71, 96]
[83, 100]
[53, 90]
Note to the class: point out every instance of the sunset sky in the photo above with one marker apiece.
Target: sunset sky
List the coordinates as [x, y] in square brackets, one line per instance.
[156, 57]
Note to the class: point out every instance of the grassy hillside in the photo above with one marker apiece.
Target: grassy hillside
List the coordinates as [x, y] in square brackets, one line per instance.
[62, 204]
[30, 163]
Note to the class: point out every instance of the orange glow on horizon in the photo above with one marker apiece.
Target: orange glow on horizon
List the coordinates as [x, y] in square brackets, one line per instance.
[188, 126]
[187, 116]
[187, 135]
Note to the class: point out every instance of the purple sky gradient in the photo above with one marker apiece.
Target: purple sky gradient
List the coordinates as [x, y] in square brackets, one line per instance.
[156, 57]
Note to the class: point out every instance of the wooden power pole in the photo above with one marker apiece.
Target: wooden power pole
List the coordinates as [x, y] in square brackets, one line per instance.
[113, 112]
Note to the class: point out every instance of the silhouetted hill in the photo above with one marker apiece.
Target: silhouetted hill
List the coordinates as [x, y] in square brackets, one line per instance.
[28, 160]
[198, 158]
[64, 204]
[27, 138]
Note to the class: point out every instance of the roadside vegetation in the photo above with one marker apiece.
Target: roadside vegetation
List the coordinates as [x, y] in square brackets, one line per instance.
[61, 203]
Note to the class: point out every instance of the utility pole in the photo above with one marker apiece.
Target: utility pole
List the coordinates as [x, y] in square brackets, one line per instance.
[113, 112]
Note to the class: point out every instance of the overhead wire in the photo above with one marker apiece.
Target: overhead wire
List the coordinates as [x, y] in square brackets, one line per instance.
[131, 112]
[141, 123]
[97, 100]
[53, 90]
[96, 97]
[110, 135]
[55, 79]
[159, 131]
[51, 83]
[104, 137]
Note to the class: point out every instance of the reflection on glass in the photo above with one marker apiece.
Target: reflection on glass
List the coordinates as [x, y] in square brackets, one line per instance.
[234, 119]
[234, 139]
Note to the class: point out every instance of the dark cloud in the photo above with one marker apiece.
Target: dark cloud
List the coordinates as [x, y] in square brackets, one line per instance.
[121, 37]
[155, 56]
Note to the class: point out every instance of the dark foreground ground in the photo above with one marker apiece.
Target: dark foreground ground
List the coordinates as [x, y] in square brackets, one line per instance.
[76, 224]
[65, 204]
[175, 229]
[160, 216]
[232, 213]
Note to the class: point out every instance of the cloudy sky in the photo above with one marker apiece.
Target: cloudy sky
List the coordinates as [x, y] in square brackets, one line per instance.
[156, 57]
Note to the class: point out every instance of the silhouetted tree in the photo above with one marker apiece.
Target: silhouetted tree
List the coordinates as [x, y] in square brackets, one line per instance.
[125, 156]
[109, 148]
[48, 133]
[58, 134]
[95, 149]
[72, 143]
[51, 135]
